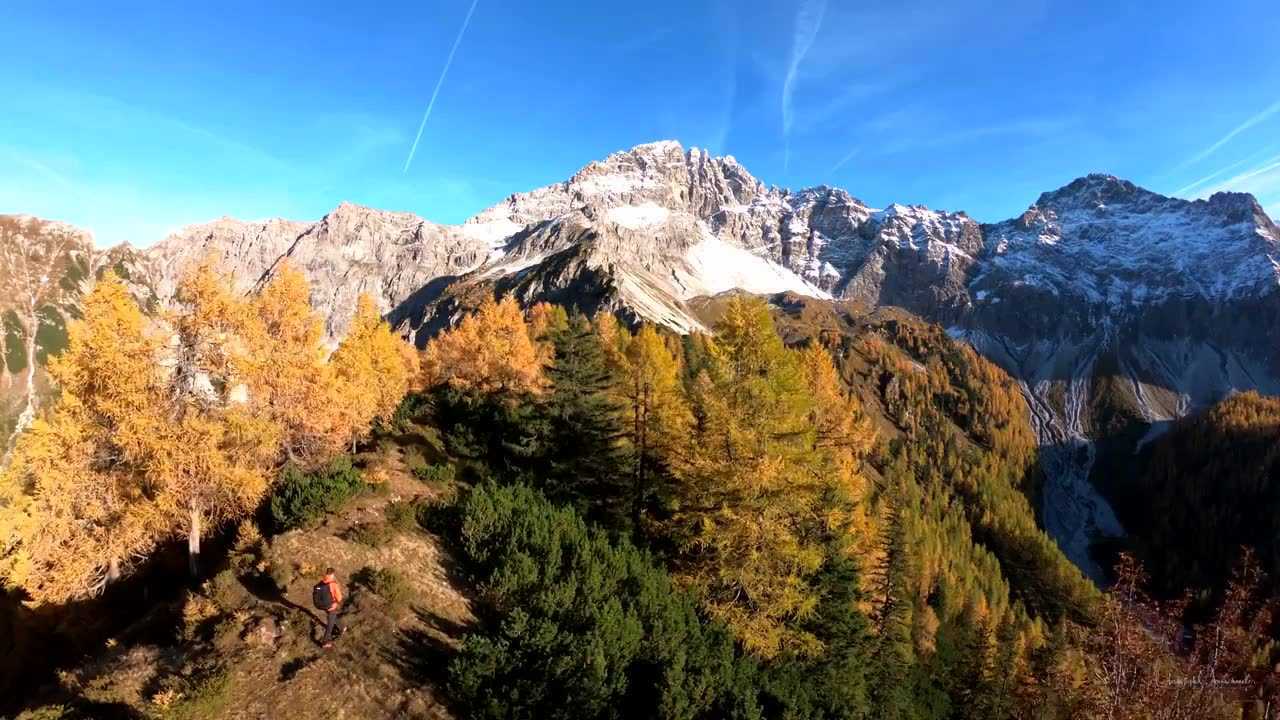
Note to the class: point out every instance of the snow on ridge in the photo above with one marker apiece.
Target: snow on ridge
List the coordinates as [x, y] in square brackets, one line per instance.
[500, 265]
[607, 183]
[1134, 256]
[634, 217]
[659, 146]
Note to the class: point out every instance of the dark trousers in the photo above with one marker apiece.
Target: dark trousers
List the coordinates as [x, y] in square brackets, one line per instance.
[331, 623]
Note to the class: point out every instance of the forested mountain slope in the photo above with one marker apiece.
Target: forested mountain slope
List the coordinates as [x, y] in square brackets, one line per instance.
[1210, 488]
[819, 510]
[1116, 309]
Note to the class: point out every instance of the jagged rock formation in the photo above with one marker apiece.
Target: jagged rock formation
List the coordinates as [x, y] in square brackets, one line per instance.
[1116, 308]
[350, 251]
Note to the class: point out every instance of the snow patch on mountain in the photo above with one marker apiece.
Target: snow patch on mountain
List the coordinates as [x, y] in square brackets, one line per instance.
[716, 266]
[635, 217]
[1110, 242]
[493, 233]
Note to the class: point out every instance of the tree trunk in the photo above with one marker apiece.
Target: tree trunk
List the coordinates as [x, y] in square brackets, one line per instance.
[193, 542]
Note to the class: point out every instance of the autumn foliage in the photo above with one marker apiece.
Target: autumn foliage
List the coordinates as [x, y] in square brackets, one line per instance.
[489, 351]
[167, 427]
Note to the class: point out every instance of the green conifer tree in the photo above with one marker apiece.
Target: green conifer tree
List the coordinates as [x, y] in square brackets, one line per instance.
[583, 422]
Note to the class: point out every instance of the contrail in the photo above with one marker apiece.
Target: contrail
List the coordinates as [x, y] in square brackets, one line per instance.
[456, 41]
[1266, 168]
[808, 23]
[1266, 113]
[1182, 190]
[844, 160]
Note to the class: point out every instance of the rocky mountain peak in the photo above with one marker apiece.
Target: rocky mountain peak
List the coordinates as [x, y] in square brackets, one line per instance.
[1095, 192]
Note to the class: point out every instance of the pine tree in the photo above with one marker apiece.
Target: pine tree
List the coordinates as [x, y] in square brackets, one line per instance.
[583, 420]
[893, 661]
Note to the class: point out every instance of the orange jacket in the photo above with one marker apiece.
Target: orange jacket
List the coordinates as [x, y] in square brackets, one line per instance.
[335, 591]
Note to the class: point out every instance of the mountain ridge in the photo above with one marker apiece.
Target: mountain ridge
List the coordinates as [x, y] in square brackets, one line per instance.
[1116, 308]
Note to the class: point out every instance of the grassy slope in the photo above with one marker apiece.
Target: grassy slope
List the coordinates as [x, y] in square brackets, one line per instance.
[257, 657]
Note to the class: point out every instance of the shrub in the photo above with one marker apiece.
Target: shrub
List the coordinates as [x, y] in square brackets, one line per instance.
[304, 497]
[205, 696]
[248, 536]
[225, 590]
[196, 611]
[371, 534]
[402, 515]
[385, 583]
[435, 473]
[409, 410]
[584, 627]
[282, 574]
[47, 712]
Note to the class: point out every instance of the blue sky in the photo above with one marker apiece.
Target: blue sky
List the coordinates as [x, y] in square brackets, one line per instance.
[135, 119]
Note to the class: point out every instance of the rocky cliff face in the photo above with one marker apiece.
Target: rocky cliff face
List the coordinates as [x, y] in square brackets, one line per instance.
[1120, 310]
[1116, 308]
[45, 267]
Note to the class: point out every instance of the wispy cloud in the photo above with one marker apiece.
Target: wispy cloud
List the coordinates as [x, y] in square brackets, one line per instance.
[835, 109]
[34, 165]
[439, 83]
[1191, 186]
[1044, 127]
[808, 23]
[1267, 112]
[842, 161]
[1182, 191]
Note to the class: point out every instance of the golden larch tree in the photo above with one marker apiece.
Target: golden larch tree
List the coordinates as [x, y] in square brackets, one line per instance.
[750, 491]
[843, 437]
[374, 369]
[289, 378]
[657, 413]
[213, 461]
[74, 505]
[490, 351]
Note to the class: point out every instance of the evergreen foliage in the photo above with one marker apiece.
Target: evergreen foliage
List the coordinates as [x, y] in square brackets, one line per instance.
[1212, 487]
[303, 497]
[583, 627]
[581, 459]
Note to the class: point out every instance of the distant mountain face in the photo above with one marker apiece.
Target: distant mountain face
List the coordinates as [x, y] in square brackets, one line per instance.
[1116, 308]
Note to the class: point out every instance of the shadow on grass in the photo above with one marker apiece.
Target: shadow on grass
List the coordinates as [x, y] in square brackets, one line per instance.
[422, 656]
[290, 670]
[263, 588]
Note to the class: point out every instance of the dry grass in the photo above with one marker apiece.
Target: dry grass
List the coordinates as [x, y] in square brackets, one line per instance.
[257, 657]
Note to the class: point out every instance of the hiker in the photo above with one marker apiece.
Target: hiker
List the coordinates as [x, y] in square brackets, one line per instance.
[327, 596]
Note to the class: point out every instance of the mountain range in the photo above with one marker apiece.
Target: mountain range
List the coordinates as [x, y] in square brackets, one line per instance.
[1118, 310]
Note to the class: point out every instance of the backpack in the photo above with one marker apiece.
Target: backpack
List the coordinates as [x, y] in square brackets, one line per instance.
[321, 597]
